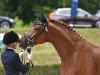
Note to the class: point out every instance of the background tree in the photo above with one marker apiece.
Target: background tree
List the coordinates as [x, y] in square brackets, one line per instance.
[27, 10]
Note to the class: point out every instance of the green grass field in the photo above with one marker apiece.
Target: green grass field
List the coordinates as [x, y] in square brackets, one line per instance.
[45, 57]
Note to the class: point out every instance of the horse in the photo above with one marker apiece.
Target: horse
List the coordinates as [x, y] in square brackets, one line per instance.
[78, 56]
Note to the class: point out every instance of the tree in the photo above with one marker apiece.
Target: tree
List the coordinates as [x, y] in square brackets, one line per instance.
[27, 10]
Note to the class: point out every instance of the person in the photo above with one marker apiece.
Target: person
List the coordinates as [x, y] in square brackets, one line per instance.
[10, 59]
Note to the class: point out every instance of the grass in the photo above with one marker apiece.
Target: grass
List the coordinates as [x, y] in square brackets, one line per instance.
[18, 30]
[92, 35]
[45, 57]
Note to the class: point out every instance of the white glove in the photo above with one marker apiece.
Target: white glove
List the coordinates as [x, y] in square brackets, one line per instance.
[30, 56]
[21, 54]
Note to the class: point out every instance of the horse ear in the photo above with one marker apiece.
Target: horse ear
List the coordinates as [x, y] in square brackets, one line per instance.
[43, 20]
[42, 15]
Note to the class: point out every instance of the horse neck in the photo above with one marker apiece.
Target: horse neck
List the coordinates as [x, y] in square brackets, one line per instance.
[63, 39]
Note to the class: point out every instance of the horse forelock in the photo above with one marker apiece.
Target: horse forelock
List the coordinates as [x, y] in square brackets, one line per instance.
[67, 26]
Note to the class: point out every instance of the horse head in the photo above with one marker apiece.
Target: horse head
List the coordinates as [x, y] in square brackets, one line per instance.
[36, 34]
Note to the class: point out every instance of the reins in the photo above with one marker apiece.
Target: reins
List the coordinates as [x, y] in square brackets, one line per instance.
[23, 61]
[29, 51]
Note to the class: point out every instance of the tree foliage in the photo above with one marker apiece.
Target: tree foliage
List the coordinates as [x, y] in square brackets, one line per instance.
[27, 10]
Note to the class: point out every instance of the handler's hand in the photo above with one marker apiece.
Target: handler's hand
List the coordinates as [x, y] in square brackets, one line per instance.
[21, 54]
[30, 56]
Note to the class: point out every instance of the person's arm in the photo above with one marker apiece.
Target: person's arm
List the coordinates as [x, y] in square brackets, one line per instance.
[19, 65]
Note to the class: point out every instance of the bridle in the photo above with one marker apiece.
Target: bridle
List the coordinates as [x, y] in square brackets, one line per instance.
[30, 40]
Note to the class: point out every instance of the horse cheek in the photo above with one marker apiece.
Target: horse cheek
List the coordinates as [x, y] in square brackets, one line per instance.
[41, 39]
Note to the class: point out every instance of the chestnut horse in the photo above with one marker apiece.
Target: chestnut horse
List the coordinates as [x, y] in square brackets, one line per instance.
[78, 57]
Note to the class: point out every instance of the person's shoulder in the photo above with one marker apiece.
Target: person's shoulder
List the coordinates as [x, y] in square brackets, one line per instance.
[16, 55]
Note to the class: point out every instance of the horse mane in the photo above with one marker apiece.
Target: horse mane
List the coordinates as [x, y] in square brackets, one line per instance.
[67, 26]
